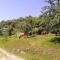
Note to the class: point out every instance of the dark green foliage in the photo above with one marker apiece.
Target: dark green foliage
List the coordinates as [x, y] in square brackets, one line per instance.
[55, 40]
[1, 32]
[10, 31]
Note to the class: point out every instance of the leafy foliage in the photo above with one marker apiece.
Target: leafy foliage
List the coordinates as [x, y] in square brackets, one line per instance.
[49, 21]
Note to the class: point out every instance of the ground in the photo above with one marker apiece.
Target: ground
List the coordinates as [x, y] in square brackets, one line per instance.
[40, 47]
[4, 55]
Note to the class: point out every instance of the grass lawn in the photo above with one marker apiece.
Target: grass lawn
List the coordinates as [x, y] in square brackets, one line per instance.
[41, 47]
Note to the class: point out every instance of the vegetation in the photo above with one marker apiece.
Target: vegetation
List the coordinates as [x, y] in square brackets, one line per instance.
[41, 47]
[43, 32]
[49, 21]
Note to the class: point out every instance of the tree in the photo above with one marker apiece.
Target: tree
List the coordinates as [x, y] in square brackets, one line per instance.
[52, 13]
[48, 14]
[10, 31]
[1, 32]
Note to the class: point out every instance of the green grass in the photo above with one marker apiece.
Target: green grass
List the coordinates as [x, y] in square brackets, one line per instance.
[39, 47]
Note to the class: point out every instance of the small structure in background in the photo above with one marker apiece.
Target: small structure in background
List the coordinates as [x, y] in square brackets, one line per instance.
[22, 34]
[44, 32]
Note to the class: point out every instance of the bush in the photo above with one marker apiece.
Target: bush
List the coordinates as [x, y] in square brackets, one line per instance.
[34, 30]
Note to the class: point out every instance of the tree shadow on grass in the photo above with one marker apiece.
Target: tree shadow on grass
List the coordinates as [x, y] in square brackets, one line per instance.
[55, 40]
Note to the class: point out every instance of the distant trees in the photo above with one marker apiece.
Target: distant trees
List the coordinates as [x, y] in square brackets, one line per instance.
[49, 21]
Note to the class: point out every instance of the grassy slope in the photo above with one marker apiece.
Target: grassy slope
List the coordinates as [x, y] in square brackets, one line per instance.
[40, 47]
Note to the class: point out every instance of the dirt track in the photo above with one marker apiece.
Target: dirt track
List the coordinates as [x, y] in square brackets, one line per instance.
[4, 55]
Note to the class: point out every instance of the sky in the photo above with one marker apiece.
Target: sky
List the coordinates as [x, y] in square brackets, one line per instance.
[11, 9]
